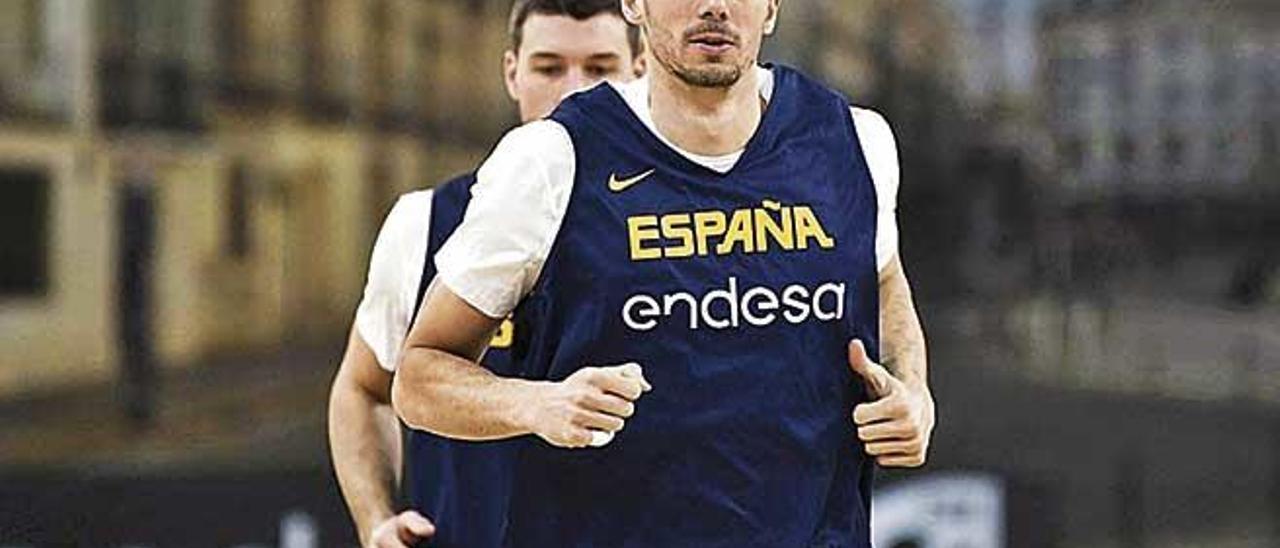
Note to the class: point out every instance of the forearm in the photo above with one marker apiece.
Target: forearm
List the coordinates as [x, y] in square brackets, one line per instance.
[456, 398]
[903, 348]
[364, 440]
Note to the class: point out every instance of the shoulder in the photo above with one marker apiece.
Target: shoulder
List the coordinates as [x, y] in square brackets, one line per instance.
[878, 144]
[404, 230]
[411, 208]
[517, 204]
[535, 141]
[880, 151]
[398, 252]
[872, 127]
[526, 162]
[394, 269]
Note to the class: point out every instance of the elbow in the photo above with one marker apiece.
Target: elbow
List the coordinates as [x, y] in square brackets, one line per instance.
[406, 392]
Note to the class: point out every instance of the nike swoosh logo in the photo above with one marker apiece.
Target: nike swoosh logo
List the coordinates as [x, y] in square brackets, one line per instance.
[619, 185]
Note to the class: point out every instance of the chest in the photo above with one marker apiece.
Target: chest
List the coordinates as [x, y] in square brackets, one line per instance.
[799, 207]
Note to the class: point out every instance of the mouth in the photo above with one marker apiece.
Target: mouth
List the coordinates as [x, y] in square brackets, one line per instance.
[712, 42]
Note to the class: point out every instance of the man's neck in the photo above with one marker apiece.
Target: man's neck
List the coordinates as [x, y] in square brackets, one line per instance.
[705, 121]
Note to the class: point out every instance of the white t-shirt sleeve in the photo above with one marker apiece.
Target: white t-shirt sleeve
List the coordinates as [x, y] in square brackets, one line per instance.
[881, 152]
[395, 268]
[517, 204]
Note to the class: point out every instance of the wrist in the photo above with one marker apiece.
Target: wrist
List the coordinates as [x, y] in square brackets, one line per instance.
[372, 520]
[522, 412]
[917, 384]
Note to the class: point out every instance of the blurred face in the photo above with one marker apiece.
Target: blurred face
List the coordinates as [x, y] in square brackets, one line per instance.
[704, 43]
[559, 55]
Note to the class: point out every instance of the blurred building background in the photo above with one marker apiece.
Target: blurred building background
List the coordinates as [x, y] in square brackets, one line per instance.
[189, 190]
[266, 139]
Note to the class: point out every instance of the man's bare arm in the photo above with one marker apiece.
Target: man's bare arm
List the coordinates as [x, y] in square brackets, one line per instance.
[902, 340]
[897, 425]
[364, 440]
[440, 388]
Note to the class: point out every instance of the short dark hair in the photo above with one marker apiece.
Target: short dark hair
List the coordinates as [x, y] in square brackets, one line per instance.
[577, 9]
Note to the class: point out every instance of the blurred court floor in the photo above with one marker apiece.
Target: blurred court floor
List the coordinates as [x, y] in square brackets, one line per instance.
[267, 410]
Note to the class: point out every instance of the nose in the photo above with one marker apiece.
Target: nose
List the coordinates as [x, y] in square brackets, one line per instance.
[714, 10]
[576, 80]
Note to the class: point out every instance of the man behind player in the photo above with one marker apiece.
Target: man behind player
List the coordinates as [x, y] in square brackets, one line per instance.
[728, 227]
[557, 46]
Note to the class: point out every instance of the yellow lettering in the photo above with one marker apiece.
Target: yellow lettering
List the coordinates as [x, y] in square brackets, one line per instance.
[676, 227]
[504, 336]
[808, 226]
[739, 233]
[767, 226]
[707, 224]
[770, 225]
[640, 229]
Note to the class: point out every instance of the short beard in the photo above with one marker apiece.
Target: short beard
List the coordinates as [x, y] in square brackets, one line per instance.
[717, 76]
[713, 77]
[720, 76]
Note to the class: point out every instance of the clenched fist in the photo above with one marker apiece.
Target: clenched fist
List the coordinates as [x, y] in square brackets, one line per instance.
[588, 407]
[401, 531]
[896, 427]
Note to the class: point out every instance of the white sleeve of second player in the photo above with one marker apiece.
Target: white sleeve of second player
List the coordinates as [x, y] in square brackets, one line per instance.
[382, 320]
[517, 204]
[881, 152]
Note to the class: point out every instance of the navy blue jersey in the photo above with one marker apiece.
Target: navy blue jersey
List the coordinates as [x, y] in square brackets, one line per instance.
[463, 487]
[738, 294]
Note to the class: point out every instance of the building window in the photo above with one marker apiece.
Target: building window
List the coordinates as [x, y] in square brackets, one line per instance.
[1173, 43]
[1225, 146]
[1268, 134]
[25, 63]
[1123, 83]
[233, 40]
[33, 19]
[1174, 151]
[238, 235]
[476, 7]
[23, 28]
[1266, 83]
[1072, 151]
[1223, 88]
[1172, 94]
[330, 70]
[380, 44]
[1225, 67]
[24, 232]
[1125, 151]
[147, 69]
[430, 48]
[1123, 68]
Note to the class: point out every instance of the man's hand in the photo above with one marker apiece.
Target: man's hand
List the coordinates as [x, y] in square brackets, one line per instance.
[895, 428]
[401, 531]
[592, 403]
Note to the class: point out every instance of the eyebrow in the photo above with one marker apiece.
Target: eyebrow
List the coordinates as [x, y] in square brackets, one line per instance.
[546, 56]
[550, 56]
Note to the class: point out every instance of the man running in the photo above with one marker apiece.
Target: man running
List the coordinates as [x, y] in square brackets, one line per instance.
[709, 258]
[557, 46]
